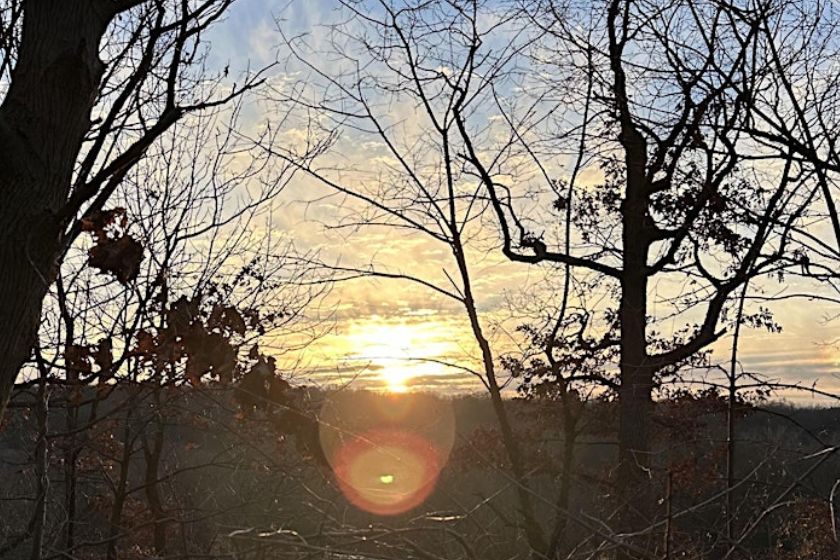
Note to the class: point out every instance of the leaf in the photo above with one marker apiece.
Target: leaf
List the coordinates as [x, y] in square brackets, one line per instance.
[120, 257]
[103, 357]
[114, 251]
[77, 360]
[99, 222]
[228, 318]
[145, 343]
[182, 315]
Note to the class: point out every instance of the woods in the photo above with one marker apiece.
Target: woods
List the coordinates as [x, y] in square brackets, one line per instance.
[607, 206]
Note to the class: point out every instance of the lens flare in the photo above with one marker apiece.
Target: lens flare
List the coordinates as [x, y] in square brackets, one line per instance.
[387, 472]
[386, 452]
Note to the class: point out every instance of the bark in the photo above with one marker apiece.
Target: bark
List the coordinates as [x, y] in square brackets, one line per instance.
[43, 119]
[635, 393]
[120, 493]
[730, 423]
[152, 449]
[633, 486]
[531, 524]
[42, 470]
[559, 546]
[71, 459]
[633, 483]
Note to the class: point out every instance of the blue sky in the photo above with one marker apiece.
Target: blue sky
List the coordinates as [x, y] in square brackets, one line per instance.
[367, 311]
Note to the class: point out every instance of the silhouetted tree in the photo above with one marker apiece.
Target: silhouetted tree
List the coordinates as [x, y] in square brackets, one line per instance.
[88, 87]
[689, 194]
[684, 191]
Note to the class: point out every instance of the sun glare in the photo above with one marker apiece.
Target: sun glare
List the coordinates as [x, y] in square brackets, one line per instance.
[403, 353]
[388, 453]
[395, 381]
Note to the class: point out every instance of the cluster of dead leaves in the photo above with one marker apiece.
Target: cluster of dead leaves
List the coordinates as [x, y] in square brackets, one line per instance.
[80, 359]
[114, 251]
[207, 340]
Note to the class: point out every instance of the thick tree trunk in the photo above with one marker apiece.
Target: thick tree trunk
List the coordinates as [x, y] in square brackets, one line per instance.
[633, 484]
[43, 119]
[635, 411]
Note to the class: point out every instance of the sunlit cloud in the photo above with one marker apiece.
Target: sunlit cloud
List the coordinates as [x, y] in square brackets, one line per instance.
[395, 336]
[401, 353]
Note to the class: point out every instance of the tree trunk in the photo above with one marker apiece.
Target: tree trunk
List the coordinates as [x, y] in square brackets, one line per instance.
[531, 524]
[633, 484]
[152, 449]
[43, 119]
[559, 546]
[120, 493]
[42, 470]
[71, 457]
[730, 423]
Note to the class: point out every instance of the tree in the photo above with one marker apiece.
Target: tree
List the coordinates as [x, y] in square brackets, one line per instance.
[427, 62]
[685, 189]
[134, 369]
[690, 195]
[89, 87]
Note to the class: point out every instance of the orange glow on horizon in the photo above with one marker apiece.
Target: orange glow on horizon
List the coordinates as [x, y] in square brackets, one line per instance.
[400, 352]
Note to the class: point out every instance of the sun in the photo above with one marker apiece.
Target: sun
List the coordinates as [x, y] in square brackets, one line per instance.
[396, 382]
[401, 353]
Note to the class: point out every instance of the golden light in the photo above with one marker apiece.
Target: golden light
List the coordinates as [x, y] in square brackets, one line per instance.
[386, 451]
[400, 352]
[396, 381]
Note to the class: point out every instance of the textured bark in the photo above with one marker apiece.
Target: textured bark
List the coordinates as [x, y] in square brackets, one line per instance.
[43, 119]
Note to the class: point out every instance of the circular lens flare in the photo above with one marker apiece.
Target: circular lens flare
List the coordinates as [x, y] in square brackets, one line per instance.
[387, 472]
[386, 451]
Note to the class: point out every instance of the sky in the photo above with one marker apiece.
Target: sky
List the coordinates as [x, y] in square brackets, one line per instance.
[395, 335]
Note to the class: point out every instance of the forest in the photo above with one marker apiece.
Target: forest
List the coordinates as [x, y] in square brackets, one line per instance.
[419, 279]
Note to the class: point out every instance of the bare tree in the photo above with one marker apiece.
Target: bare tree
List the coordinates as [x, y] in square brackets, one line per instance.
[212, 280]
[685, 190]
[88, 87]
[428, 60]
[689, 196]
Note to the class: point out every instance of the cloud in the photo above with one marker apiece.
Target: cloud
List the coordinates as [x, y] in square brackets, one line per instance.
[320, 220]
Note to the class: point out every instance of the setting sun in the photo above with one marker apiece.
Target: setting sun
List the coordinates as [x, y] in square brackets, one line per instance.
[401, 353]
